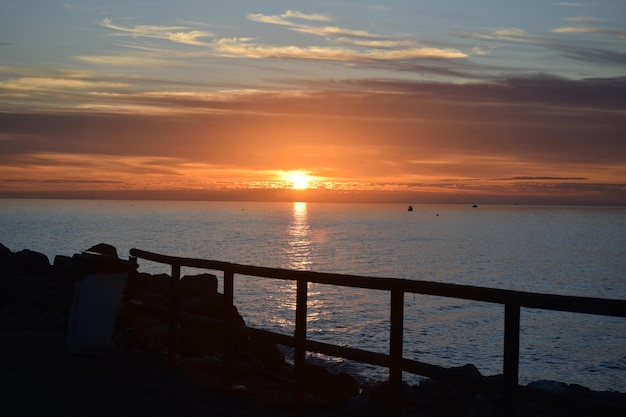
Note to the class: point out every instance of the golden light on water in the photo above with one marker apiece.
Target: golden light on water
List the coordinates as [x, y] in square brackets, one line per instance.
[299, 238]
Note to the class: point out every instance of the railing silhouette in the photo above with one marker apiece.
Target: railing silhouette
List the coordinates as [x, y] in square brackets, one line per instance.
[512, 301]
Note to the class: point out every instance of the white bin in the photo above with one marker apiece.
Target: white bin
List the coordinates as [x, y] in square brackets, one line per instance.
[96, 302]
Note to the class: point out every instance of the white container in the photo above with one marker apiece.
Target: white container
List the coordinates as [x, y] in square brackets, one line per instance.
[94, 311]
[97, 296]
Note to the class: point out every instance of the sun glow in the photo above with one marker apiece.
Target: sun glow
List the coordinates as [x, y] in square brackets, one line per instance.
[299, 180]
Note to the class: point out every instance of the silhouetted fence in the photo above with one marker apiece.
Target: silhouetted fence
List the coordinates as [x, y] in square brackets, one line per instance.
[512, 301]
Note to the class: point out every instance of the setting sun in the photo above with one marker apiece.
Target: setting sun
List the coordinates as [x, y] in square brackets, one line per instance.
[300, 180]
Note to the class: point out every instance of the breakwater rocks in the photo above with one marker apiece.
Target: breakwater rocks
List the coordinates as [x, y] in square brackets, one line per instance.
[433, 398]
[34, 294]
[37, 295]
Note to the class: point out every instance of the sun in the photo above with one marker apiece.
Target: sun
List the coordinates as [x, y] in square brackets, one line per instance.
[299, 180]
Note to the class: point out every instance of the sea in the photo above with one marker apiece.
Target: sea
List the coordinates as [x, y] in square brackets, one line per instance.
[565, 250]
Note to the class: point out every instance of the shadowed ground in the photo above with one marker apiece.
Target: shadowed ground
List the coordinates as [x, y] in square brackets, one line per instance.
[38, 377]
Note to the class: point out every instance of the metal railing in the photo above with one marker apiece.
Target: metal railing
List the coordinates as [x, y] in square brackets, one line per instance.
[512, 301]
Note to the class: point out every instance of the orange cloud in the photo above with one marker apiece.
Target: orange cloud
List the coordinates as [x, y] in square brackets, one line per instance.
[527, 135]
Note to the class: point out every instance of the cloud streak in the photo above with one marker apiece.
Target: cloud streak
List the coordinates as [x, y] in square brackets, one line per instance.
[122, 60]
[592, 30]
[369, 47]
[176, 34]
[43, 83]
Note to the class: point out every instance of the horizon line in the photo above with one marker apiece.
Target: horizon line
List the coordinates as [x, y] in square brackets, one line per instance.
[314, 196]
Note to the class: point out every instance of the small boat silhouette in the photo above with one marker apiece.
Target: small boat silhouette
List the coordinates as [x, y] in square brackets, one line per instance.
[475, 205]
[410, 208]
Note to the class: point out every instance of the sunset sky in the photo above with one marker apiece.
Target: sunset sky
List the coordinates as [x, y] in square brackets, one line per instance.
[405, 101]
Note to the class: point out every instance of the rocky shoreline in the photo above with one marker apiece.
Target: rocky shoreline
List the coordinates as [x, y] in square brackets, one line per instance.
[36, 296]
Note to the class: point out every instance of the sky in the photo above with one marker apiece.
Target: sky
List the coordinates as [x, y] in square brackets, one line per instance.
[411, 101]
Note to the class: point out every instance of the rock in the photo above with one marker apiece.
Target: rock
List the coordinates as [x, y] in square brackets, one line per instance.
[266, 353]
[336, 388]
[198, 285]
[198, 294]
[195, 341]
[5, 252]
[151, 334]
[466, 370]
[548, 386]
[29, 261]
[149, 289]
[358, 406]
[597, 402]
[380, 403]
[425, 394]
[33, 300]
[104, 249]
[63, 270]
[343, 386]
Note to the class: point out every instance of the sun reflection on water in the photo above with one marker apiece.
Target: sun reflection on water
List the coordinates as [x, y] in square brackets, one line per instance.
[299, 239]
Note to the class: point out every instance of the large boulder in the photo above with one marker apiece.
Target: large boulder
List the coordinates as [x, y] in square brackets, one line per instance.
[28, 262]
[63, 270]
[104, 249]
[196, 341]
[5, 252]
[198, 294]
[266, 352]
[197, 285]
[443, 398]
[335, 388]
[149, 289]
[30, 296]
[150, 333]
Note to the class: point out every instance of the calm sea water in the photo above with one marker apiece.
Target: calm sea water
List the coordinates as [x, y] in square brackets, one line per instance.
[559, 250]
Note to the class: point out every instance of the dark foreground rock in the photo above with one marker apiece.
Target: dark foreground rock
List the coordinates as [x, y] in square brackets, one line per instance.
[35, 303]
[256, 363]
[32, 295]
[37, 296]
[38, 377]
[433, 398]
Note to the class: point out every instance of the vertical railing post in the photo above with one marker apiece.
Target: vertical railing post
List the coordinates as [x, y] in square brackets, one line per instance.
[511, 355]
[172, 343]
[227, 323]
[395, 348]
[300, 341]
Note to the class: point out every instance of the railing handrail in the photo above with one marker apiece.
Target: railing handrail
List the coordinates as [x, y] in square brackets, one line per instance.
[567, 303]
[512, 301]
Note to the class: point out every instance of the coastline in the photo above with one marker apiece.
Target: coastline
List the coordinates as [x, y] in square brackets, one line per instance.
[40, 373]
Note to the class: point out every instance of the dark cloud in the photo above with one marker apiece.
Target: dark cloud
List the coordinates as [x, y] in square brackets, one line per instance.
[598, 55]
[63, 181]
[559, 41]
[541, 178]
[545, 89]
[571, 194]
